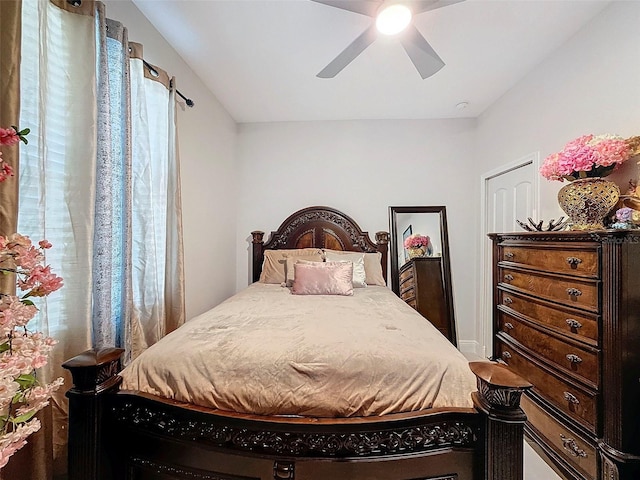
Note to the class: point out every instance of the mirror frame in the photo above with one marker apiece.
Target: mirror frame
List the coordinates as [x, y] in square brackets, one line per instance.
[444, 240]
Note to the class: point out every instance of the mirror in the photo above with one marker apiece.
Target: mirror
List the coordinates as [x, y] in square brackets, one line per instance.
[424, 281]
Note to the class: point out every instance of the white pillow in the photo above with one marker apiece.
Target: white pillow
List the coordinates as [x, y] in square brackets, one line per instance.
[359, 274]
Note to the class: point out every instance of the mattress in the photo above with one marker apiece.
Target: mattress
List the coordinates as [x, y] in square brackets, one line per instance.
[268, 352]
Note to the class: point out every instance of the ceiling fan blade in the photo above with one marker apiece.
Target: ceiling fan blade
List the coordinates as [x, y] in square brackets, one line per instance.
[364, 7]
[419, 6]
[349, 54]
[422, 55]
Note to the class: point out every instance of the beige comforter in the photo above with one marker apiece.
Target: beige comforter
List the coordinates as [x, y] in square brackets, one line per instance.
[268, 352]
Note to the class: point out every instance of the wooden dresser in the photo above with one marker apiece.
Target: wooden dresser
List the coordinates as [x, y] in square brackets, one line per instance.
[422, 287]
[567, 318]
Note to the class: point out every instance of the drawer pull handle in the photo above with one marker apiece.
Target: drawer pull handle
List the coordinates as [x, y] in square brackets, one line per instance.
[509, 325]
[574, 292]
[509, 255]
[507, 301]
[571, 398]
[573, 323]
[508, 277]
[573, 358]
[570, 445]
[574, 261]
[506, 355]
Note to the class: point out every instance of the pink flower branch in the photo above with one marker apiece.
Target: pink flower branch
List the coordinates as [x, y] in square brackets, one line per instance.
[22, 351]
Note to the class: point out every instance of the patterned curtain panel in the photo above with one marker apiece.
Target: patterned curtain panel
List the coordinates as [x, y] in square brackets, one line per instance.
[113, 208]
[101, 184]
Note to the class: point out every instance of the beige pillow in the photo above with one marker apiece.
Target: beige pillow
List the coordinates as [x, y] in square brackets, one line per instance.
[372, 266]
[359, 275]
[273, 266]
[290, 261]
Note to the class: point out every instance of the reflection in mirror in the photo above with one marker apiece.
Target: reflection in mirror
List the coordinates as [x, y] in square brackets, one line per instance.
[422, 277]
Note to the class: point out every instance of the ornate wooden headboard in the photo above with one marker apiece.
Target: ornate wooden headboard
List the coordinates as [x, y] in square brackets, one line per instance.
[319, 227]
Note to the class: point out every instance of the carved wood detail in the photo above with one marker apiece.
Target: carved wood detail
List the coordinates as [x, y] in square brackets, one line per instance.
[280, 238]
[95, 371]
[609, 469]
[299, 444]
[107, 371]
[499, 391]
[502, 397]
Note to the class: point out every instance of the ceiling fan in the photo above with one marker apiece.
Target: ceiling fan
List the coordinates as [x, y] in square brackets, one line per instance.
[392, 17]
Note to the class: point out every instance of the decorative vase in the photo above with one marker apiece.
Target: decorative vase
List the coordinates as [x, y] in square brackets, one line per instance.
[587, 201]
[417, 252]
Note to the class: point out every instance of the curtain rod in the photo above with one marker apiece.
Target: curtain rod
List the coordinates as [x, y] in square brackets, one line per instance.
[190, 103]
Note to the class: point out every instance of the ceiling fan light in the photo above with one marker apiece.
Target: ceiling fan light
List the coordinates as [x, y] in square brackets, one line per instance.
[393, 19]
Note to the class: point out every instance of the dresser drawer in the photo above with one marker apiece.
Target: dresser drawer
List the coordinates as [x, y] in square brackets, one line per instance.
[581, 326]
[574, 449]
[575, 360]
[581, 262]
[574, 292]
[577, 402]
[408, 294]
[406, 275]
[407, 284]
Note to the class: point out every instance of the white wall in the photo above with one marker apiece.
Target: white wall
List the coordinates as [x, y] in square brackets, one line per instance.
[589, 85]
[361, 168]
[207, 138]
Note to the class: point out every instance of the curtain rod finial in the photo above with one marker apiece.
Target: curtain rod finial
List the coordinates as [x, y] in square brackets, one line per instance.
[190, 103]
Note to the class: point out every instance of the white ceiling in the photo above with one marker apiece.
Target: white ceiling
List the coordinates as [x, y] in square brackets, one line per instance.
[260, 57]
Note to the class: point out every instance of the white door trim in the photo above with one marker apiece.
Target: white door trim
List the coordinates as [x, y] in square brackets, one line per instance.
[485, 325]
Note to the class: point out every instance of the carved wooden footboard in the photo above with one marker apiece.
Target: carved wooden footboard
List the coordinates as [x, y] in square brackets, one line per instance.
[124, 436]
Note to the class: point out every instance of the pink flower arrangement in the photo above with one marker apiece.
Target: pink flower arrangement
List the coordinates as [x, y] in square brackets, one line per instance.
[587, 156]
[416, 241]
[22, 351]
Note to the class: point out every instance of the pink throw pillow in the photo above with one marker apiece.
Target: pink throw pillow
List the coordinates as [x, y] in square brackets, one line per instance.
[329, 278]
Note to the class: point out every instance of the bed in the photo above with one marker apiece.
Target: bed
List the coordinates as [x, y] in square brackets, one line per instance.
[174, 430]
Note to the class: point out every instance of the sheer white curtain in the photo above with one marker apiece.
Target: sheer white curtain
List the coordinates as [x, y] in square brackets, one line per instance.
[157, 266]
[100, 180]
[57, 171]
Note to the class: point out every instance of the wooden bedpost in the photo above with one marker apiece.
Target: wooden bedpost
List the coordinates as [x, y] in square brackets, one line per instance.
[498, 397]
[258, 253]
[94, 373]
[382, 243]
